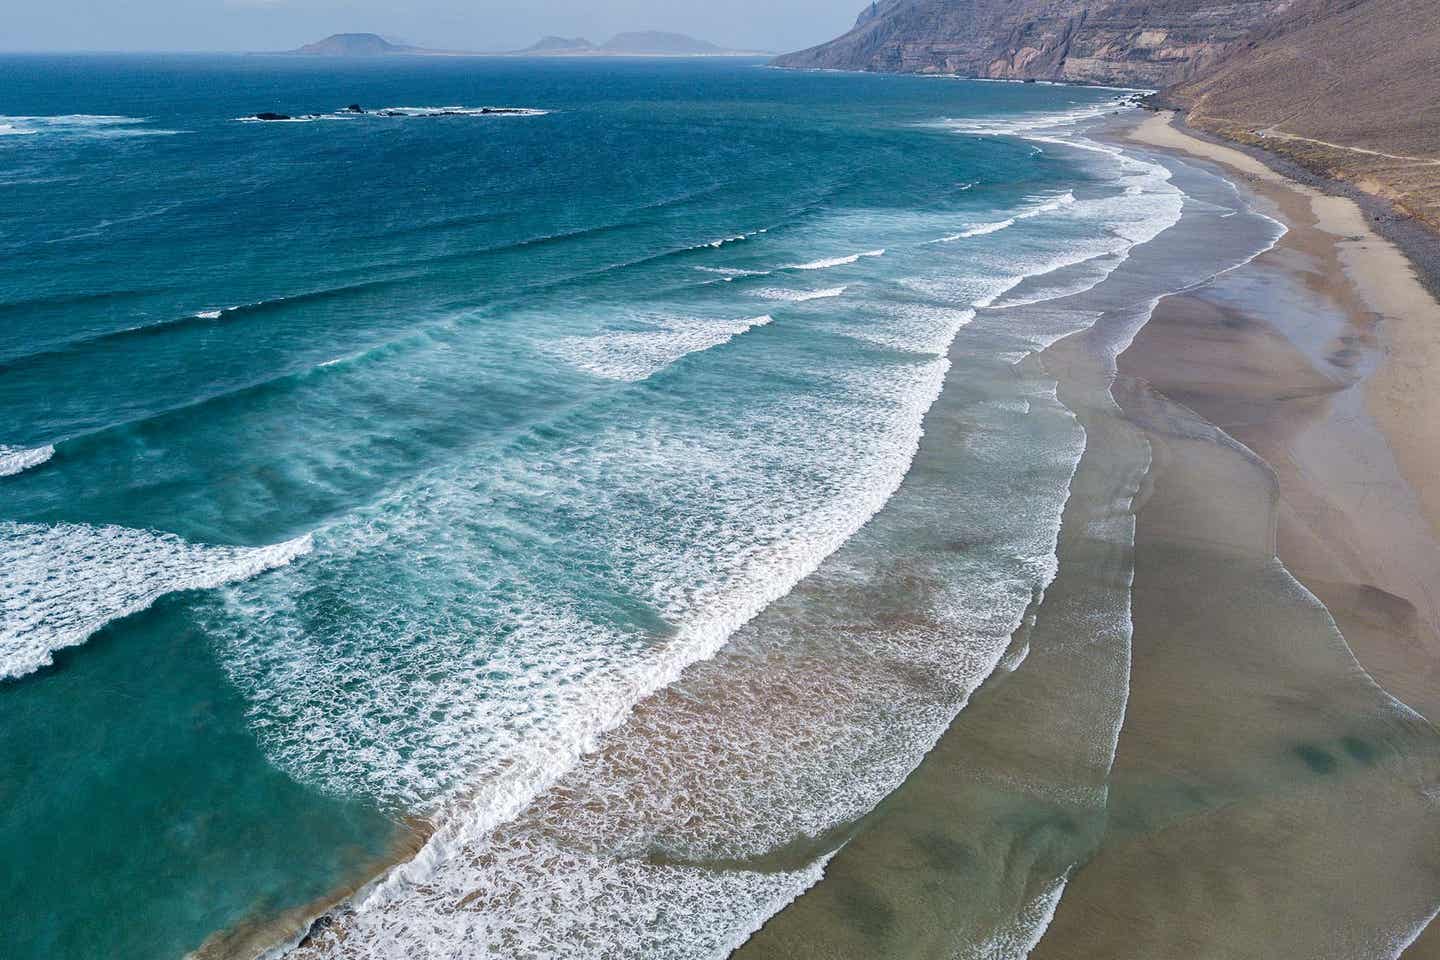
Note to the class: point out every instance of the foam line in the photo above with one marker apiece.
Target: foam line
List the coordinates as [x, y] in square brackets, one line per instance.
[730, 273]
[978, 230]
[63, 582]
[79, 125]
[836, 261]
[797, 296]
[633, 355]
[13, 460]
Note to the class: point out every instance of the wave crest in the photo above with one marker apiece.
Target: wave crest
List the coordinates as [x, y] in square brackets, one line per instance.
[15, 460]
[64, 582]
[634, 355]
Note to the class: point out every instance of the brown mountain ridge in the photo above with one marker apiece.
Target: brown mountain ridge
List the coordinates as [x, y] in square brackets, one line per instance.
[1349, 89]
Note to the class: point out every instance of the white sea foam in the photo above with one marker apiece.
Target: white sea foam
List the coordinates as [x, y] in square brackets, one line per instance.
[1033, 122]
[713, 770]
[80, 125]
[982, 229]
[1147, 206]
[622, 909]
[709, 515]
[302, 118]
[638, 354]
[13, 460]
[1016, 940]
[680, 516]
[1083, 270]
[731, 273]
[60, 583]
[978, 230]
[836, 261]
[459, 112]
[797, 296]
[724, 241]
[906, 325]
[1047, 205]
[209, 314]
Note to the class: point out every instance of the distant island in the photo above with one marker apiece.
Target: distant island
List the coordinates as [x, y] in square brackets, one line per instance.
[647, 43]
[356, 45]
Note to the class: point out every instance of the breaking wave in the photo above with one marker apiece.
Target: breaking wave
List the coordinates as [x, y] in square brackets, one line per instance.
[13, 460]
[65, 581]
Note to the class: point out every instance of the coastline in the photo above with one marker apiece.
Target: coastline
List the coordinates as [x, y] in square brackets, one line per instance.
[1417, 240]
[1061, 850]
[1295, 357]
[1251, 736]
[1384, 349]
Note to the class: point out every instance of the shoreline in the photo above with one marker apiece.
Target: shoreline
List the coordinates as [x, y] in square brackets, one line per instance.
[1065, 798]
[1417, 240]
[1328, 533]
[1287, 357]
[1251, 736]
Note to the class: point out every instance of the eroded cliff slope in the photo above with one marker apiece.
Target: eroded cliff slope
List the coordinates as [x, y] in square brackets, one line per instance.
[1133, 42]
[1348, 88]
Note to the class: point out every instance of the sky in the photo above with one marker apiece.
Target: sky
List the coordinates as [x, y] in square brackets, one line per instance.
[259, 25]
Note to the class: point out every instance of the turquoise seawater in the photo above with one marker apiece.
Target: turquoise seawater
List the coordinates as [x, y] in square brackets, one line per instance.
[371, 467]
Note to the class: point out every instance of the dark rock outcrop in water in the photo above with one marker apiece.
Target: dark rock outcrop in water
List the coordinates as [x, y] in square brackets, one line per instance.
[1153, 43]
[355, 109]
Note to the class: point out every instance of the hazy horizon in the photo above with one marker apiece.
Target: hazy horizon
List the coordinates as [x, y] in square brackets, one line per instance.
[152, 26]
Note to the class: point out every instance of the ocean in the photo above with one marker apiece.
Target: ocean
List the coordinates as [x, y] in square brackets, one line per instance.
[494, 513]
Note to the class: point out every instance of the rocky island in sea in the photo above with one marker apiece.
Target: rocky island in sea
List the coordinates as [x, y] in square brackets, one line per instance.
[639, 43]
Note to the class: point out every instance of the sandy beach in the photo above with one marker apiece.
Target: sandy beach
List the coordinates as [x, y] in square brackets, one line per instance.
[1352, 431]
[1273, 442]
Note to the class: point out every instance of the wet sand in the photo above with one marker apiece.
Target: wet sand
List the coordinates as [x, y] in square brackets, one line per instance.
[1321, 358]
[1268, 796]
[1352, 432]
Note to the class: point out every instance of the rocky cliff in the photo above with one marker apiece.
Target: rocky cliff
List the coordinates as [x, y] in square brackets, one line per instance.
[1350, 89]
[1136, 42]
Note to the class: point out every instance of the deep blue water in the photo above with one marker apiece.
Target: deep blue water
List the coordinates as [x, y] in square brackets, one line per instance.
[419, 447]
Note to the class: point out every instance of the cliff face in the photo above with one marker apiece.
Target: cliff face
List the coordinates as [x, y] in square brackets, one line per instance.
[1350, 89]
[1135, 42]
